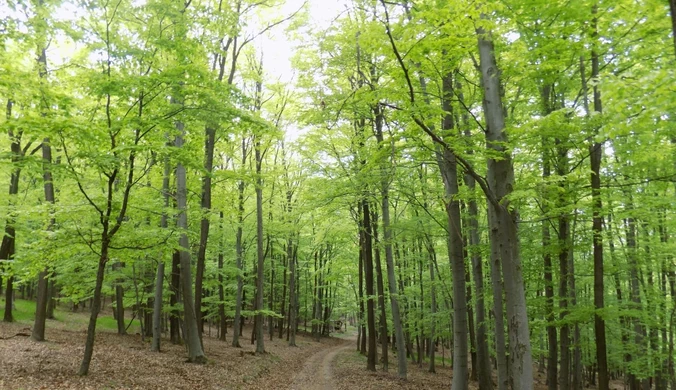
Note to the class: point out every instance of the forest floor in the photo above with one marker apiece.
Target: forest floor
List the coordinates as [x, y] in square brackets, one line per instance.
[125, 362]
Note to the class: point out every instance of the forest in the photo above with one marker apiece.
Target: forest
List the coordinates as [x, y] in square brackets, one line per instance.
[414, 194]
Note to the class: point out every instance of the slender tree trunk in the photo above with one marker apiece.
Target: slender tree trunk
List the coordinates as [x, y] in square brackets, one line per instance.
[237, 326]
[96, 303]
[449, 173]
[157, 306]
[9, 238]
[595, 156]
[222, 323]
[389, 260]
[433, 305]
[119, 301]
[362, 313]
[292, 293]
[381, 295]
[38, 333]
[368, 273]
[260, 346]
[210, 140]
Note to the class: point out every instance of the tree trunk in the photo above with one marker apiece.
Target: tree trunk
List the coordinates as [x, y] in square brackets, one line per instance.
[210, 140]
[237, 326]
[119, 301]
[292, 293]
[389, 260]
[260, 346]
[96, 305]
[433, 305]
[595, 156]
[195, 352]
[449, 174]
[381, 294]
[368, 273]
[222, 323]
[500, 177]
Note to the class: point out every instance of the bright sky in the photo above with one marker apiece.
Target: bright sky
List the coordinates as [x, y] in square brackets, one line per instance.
[278, 49]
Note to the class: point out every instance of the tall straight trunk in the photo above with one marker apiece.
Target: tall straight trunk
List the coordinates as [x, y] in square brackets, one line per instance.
[282, 303]
[209, 142]
[595, 156]
[362, 314]
[157, 307]
[449, 172]
[175, 298]
[38, 333]
[552, 341]
[195, 351]
[368, 274]
[433, 304]
[634, 292]
[564, 273]
[222, 323]
[9, 238]
[389, 259]
[503, 228]
[381, 294]
[483, 368]
[119, 301]
[292, 292]
[237, 326]
[260, 345]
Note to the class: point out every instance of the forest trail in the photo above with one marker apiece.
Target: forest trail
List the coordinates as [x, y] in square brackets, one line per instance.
[317, 373]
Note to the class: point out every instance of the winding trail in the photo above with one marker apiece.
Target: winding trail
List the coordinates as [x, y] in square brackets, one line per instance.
[317, 373]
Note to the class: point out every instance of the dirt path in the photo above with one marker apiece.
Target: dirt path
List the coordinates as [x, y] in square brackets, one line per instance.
[317, 374]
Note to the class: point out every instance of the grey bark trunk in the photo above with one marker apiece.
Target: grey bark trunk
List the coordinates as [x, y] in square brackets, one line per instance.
[159, 277]
[503, 228]
[389, 261]
[260, 346]
[237, 326]
[195, 352]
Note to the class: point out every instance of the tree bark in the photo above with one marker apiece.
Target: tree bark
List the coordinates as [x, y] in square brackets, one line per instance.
[195, 351]
[209, 143]
[237, 326]
[389, 259]
[370, 293]
[260, 346]
[504, 219]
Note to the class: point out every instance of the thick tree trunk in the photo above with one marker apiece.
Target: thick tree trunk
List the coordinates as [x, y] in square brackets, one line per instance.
[195, 352]
[564, 273]
[504, 219]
